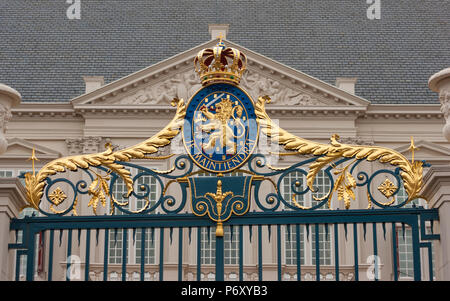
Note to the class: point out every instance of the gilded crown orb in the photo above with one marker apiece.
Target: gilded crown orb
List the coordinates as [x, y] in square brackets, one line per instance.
[220, 64]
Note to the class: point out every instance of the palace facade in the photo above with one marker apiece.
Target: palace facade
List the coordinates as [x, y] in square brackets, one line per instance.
[110, 77]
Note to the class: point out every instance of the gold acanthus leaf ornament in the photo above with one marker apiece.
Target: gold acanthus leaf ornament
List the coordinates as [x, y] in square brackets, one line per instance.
[35, 183]
[411, 172]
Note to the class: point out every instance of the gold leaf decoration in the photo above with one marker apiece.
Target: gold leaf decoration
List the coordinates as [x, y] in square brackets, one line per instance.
[98, 190]
[411, 172]
[35, 183]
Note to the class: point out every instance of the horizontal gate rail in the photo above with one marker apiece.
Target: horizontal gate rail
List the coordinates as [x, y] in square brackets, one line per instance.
[404, 215]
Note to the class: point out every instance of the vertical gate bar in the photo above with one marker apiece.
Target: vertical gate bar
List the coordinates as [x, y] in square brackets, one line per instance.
[143, 243]
[375, 249]
[124, 253]
[220, 265]
[260, 268]
[105, 258]
[279, 251]
[199, 253]
[161, 254]
[297, 241]
[88, 253]
[18, 265]
[394, 251]
[241, 253]
[180, 254]
[430, 260]
[336, 250]
[69, 253]
[355, 250]
[50, 255]
[416, 250]
[317, 253]
[30, 253]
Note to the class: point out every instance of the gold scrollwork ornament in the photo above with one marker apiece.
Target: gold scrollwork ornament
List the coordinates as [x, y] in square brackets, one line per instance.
[35, 183]
[411, 172]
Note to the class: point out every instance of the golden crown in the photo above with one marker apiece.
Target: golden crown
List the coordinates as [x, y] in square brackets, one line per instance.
[220, 64]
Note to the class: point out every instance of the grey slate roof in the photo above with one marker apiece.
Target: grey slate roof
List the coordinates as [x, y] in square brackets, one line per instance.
[44, 55]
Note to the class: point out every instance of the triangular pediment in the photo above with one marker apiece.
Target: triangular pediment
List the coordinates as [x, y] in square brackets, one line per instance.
[158, 84]
[22, 149]
[430, 152]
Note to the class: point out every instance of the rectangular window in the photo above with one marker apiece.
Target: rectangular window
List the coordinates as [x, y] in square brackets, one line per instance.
[405, 253]
[231, 246]
[6, 173]
[208, 246]
[324, 246]
[149, 252]
[403, 196]
[134, 242]
[291, 244]
[116, 246]
[296, 182]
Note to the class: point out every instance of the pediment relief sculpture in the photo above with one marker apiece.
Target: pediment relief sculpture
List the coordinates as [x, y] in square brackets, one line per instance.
[183, 86]
[257, 85]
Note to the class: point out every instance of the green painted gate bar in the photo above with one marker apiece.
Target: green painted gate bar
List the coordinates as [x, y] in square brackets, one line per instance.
[412, 217]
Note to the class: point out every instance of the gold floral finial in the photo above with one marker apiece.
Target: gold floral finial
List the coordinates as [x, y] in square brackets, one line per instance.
[218, 197]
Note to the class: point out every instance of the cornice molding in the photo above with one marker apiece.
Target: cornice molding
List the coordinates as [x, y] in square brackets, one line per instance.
[403, 111]
[375, 111]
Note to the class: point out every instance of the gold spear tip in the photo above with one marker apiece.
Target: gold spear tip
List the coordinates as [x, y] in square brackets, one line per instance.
[412, 147]
[33, 156]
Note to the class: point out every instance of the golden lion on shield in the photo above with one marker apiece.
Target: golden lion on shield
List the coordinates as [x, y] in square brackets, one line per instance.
[221, 132]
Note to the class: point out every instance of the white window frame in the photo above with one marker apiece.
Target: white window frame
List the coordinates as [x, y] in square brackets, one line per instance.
[230, 248]
[307, 243]
[115, 243]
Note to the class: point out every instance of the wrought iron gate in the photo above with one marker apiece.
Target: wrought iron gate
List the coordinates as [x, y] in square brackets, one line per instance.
[220, 127]
[271, 221]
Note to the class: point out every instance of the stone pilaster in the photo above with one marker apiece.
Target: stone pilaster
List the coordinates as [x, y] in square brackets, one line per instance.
[437, 191]
[12, 199]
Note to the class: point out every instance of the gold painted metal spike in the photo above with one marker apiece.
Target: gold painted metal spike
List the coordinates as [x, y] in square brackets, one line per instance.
[412, 149]
[33, 158]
